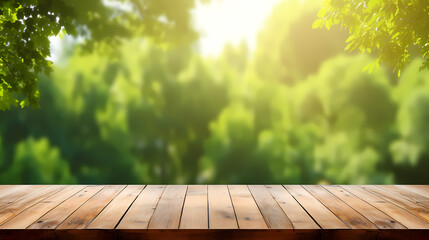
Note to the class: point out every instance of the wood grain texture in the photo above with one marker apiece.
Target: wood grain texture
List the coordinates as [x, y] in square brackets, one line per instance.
[17, 207]
[419, 189]
[246, 209]
[140, 213]
[10, 195]
[157, 212]
[31, 214]
[221, 211]
[89, 210]
[379, 218]
[343, 211]
[112, 213]
[407, 194]
[401, 215]
[323, 216]
[297, 215]
[167, 214]
[57, 215]
[400, 201]
[195, 209]
[273, 214]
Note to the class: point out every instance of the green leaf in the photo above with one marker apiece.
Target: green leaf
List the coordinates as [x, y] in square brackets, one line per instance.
[349, 39]
[328, 23]
[318, 23]
[322, 12]
[24, 103]
[60, 34]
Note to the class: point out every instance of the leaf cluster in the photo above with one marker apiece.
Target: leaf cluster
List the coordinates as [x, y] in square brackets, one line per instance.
[26, 26]
[394, 30]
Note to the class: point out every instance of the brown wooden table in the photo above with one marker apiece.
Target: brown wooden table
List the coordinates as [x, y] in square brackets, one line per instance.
[214, 212]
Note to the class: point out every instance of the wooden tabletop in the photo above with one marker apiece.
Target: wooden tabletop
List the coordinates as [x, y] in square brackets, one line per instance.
[215, 211]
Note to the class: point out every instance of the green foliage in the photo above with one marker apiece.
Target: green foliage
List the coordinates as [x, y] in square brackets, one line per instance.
[288, 44]
[37, 162]
[27, 25]
[413, 95]
[161, 115]
[393, 30]
[358, 113]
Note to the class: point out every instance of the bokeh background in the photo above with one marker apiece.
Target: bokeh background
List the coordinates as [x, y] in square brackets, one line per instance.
[290, 107]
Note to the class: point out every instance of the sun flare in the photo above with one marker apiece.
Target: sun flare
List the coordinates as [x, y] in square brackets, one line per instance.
[223, 21]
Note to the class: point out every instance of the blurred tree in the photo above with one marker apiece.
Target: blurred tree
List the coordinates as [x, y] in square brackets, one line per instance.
[26, 26]
[229, 150]
[153, 114]
[288, 49]
[356, 118]
[410, 150]
[37, 162]
[169, 116]
[390, 28]
[141, 117]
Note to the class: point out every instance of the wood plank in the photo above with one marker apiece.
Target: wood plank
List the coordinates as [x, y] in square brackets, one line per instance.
[8, 191]
[31, 214]
[195, 209]
[406, 218]
[89, 210]
[4, 187]
[140, 213]
[379, 218]
[169, 210]
[416, 189]
[420, 189]
[407, 194]
[343, 211]
[17, 207]
[112, 214]
[10, 195]
[323, 216]
[215, 211]
[273, 214]
[246, 209]
[399, 201]
[57, 215]
[221, 211]
[296, 214]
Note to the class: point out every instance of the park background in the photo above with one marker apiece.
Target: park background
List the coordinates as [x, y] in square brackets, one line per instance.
[289, 107]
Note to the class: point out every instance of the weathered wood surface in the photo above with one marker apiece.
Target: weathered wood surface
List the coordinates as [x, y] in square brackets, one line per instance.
[214, 212]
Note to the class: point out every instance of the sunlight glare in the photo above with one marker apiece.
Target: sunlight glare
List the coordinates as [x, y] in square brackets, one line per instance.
[223, 21]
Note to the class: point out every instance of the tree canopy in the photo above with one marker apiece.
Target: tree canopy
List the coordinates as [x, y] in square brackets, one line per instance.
[26, 26]
[164, 115]
[393, 30]
[160, 115]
